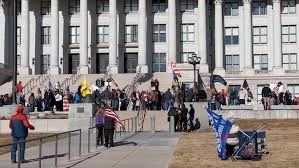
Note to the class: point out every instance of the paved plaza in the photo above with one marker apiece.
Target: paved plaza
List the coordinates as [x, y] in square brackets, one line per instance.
[144, 149]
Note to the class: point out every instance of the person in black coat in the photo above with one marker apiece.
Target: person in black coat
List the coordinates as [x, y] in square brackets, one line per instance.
[191, 117]
[109, 127]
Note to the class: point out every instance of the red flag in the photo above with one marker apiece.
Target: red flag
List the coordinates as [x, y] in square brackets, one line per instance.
[111, 114]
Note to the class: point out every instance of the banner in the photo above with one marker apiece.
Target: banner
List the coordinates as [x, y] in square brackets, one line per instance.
[218, 78]
[221, 128]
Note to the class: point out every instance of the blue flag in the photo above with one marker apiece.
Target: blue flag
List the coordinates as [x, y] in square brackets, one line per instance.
[221, 128]
[218, 78]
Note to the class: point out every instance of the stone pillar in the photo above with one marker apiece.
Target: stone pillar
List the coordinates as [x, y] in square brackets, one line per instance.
[277, 56]
[171, 33]
[2, 33]
[54, 57]
[25, 69]
[142, 40]
[113, 37]
[202, 21]
[219, 51]
[83, 37]
[247, 38]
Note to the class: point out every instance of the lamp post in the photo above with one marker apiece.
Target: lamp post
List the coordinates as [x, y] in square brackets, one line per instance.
[14, 67]
[194, 60]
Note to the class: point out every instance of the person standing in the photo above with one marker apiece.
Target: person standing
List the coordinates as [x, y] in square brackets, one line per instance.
[100, 120]
[184, 112]
[191, 117]
[266, 93]
[19, 91]
[19, 126]
[32, 102]
[109, 126]
[167, 99]
[242, 96]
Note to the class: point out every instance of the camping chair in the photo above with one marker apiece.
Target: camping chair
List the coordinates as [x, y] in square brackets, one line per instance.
[252, 144]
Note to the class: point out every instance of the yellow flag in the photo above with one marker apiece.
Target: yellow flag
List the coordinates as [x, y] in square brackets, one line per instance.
[84, 88]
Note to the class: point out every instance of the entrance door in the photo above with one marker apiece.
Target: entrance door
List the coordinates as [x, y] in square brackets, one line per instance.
[74, 63]
[102, 62]
[131, 62]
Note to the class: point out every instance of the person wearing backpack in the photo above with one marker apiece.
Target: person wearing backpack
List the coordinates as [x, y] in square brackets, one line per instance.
[100, 120]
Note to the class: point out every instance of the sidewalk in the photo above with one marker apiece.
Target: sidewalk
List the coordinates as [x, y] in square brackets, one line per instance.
[142, 150]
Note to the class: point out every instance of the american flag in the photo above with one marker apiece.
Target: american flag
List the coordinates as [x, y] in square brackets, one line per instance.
[111, 114]
[175, 70]
[276, 89]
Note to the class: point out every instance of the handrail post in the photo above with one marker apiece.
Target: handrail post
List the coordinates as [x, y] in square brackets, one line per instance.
[129, 125]
[88, 141]
[153, 123]
[80, 144]
[96, 137]
[56, 149]
[69, 150]
[135, 124]
[40, 153]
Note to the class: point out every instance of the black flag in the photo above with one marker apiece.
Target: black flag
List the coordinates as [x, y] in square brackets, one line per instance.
[218, 78]
[245, 84]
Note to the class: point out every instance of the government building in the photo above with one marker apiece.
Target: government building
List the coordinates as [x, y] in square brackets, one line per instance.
[238, 39]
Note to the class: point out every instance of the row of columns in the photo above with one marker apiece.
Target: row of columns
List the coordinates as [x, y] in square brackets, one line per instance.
[113, 51]
[248, 53]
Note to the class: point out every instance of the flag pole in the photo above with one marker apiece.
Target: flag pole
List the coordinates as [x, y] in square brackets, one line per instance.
[15, 27]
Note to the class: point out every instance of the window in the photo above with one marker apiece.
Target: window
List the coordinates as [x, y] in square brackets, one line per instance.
[184, 56]
[231, 9]
[46, 34]
[159, 62]
[102, 34]
[158, 6]
[45, 63]
[288, 6]
[46, 7]
[231, 35]
[18, 35]
[260, 35]
[19, 7]
[294, 89]
[74, 7]
[232, 63]
[259, 7]
[102, 6]
[289, 61]
[18, 60]
[159, 33]
[187, 32]
[74, 34]
[131, 33]
[187, 5]
[261, 61]
[131, 6]
[74, 63]
[288, 34]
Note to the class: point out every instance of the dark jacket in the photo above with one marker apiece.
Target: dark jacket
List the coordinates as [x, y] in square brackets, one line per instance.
[109, 123]
[266, 92]
[19, 125]
[191, 113]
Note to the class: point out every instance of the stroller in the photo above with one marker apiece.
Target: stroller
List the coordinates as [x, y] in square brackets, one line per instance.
[252, 145]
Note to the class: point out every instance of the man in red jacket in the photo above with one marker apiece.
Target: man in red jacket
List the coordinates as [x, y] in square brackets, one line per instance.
[19, 126]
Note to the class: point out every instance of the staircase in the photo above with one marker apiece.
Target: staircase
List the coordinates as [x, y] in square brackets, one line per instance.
[134, 84]
[70, 81]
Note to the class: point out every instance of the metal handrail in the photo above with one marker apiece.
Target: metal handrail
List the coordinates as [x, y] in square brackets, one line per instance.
[56, 145]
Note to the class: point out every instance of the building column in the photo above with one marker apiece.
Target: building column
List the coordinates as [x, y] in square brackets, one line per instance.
[113, 65]
[202, 21]
[54, 57]
[2, 33]
[247, 21]
[83, 37]
[219, 51]
[25, 69]
[142, 40]
[172, 27]
[277, 55]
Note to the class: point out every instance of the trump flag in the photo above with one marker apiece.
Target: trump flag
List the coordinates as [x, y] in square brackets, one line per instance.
[221, 128]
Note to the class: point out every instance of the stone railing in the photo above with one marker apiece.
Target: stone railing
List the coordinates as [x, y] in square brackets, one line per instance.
[291, 71]
[232, 73]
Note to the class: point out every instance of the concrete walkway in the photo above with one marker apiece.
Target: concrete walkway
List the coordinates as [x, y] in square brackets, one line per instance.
[144, 149]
